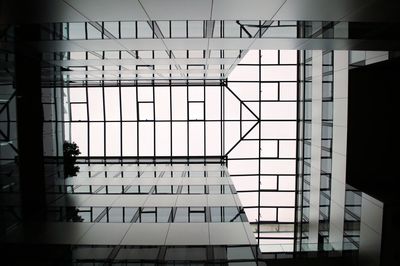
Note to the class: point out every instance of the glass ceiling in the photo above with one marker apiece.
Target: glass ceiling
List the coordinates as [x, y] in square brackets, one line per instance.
[250, 118]
[154, 50]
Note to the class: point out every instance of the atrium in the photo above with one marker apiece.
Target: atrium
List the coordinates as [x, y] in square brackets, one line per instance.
[214, 132]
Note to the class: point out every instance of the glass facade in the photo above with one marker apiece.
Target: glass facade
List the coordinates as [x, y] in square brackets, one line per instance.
[155, 212]
[162, 100]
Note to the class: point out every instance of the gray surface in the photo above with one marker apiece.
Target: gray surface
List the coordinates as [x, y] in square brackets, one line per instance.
[250, 234]
[194, 181]
[100, 200]
[160, 201]
[71, 200]
[218, 181]
[188, 234]
[143, 253]
[228, 234]
[221, 200]
[146, 234]
[103, 10]
[130, 201]
[105, 234]
[191, 200]
[50, 233]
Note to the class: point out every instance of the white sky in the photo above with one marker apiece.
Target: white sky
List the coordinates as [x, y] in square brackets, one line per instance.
[278, 92]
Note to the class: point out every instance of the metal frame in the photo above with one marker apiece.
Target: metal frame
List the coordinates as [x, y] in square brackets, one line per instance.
[225, 152]
[5, 136]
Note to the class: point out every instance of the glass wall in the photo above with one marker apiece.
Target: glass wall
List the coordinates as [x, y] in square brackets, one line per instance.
[261, 147]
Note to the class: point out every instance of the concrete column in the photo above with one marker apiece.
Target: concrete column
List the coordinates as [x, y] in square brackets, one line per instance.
[315, 179]
[30, 123]
[339, 144]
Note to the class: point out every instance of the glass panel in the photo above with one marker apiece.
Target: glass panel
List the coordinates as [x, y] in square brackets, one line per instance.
[269, 148]
[115, 215]
[178, 29]
[278, 166]
[179, 103]
[92, 32]
[146, 111]
[165, 189]
[269, 57]
[287, 149]
[196, 93]
[144, 30]
[269, 91]
[196, 111]
[244, 73]
[288, 56]
[111, 97]
[179, 138]
[213, 138]
[288, 91]
[128, 29]
[77, 95]
[281, 73]
[181, 215]
[269, 182]
[162, 103]
[145, 94]
[277, 198]
[79, 112]
[113, 28]
[96, 139]
[287, 183]
[147, 215]
[195, 29]
[163, 139]
[95, 104]
[128, 103]
[76, 31]
[146, 139]
[79, 136]
[278, 110]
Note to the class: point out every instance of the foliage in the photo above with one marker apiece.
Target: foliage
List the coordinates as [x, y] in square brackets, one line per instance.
[72, 215]
[71, 150]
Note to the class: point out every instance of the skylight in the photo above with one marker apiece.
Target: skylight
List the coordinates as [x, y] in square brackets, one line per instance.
[250, 117]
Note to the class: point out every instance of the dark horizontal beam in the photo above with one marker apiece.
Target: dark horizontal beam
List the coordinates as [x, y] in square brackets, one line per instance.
[145, 159]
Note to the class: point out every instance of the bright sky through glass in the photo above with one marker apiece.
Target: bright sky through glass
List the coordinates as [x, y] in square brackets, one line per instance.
[252, 120]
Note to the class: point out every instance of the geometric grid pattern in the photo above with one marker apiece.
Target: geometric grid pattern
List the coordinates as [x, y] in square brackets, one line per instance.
[262, 165]
[110, 51]
[228, 118]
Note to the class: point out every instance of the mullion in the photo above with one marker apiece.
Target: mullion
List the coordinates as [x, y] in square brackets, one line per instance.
[120, 100]
[187, 117]
[170, 114]
[259, 150]
[179, 120]
[104, 122]
[166, 84]
[154, 112]
[88, 118]
[56, 122]
[69, 111]
[137, 112]
[204, 124]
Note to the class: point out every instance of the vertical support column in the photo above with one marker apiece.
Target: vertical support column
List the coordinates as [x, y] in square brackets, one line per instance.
[339, 144]
[30, 123]
[315, 146]
[371, 230]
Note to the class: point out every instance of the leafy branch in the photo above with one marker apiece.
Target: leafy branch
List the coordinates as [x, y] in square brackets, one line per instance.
[71, 150]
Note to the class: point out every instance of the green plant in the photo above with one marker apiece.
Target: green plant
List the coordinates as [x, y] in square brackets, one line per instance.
[71, 150]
